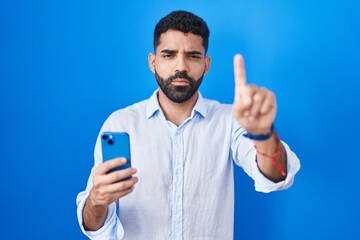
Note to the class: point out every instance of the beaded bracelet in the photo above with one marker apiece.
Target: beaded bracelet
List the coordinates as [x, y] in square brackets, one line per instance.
[272, 157]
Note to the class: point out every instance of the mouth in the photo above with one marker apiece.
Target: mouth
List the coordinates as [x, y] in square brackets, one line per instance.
[180, 82]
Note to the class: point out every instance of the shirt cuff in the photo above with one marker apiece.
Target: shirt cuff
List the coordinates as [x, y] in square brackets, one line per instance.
[112, 228]
[263, 184]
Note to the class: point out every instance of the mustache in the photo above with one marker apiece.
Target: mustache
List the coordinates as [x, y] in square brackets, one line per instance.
[182, 75]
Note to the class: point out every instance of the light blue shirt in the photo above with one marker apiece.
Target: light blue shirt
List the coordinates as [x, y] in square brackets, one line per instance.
[186, 187]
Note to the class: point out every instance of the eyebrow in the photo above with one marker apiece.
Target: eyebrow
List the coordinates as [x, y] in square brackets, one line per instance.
[194, 52]
[169, 51]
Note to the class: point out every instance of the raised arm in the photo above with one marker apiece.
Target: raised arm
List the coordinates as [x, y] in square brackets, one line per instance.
[255, 108]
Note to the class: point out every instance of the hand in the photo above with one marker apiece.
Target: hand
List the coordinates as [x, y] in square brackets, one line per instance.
[106, 188]
[254, 108]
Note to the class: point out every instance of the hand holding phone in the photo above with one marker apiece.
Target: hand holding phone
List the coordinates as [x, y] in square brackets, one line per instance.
[107, 187]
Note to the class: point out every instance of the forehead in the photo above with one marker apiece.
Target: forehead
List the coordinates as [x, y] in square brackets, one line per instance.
[179, 41]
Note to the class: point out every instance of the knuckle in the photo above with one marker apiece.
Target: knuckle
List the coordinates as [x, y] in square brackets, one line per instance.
[95, 181]
[129, 171]
[101, 192]
[252, 87]
[96, 184]
[96, 171]
[257, 97]
[272, 95]
[247, 89]
[122, 185]
[107, 165]
[135, 180]
[119, 175]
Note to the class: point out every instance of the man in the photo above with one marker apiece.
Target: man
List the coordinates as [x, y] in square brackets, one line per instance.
[183, 148]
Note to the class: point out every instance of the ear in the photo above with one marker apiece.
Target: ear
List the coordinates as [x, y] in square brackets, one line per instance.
[207, 64]
[151, 60]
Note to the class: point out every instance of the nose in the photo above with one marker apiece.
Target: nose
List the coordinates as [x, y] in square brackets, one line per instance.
[181, 64]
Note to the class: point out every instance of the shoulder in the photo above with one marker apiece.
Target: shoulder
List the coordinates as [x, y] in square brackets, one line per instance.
[133, 110]
[216, 108]
[125, 116]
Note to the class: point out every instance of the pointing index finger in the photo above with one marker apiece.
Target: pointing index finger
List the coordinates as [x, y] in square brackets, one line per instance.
[239, 70]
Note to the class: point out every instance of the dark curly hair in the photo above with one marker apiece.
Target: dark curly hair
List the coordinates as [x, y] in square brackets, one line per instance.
[185, 22]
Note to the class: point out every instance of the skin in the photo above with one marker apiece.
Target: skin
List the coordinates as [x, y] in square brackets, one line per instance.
[254, 108]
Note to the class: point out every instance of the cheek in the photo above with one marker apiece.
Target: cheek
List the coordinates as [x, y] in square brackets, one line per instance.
[164, 73]
[200, 70]
[162, 69]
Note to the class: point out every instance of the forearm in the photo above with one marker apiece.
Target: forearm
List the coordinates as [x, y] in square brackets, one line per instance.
[272, 147]
[93, 216]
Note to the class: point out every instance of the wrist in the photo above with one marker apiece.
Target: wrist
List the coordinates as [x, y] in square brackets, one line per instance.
[93, 216]
[271, 151]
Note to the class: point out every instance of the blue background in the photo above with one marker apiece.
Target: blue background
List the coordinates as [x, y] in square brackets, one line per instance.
[66, 65]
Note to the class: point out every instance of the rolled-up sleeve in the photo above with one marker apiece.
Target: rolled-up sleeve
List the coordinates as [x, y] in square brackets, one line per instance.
[244, 155]
[112, 228]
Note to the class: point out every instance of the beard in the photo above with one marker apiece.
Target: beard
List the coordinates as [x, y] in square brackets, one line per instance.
[178, 94]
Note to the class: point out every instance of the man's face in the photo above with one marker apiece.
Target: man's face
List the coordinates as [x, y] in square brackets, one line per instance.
[179, 65]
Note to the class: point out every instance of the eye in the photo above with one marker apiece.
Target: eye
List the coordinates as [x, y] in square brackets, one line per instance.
[194, 56]
[166, 55]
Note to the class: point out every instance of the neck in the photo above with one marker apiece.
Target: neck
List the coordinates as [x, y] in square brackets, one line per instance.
[176, 113]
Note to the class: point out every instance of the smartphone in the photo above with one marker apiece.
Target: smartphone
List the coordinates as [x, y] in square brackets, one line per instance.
[114, 145]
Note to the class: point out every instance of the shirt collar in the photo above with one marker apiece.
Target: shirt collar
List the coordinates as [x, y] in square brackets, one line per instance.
[154, 107]
[200, 107]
